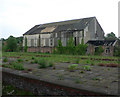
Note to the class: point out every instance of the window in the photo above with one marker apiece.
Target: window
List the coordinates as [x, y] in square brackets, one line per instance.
[107, 50]
[32, 42]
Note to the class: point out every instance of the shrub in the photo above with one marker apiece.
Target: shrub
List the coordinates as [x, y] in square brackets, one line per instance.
[42, 63]
[99, 50]
[86, 67]
[117, 51]
[33, 58]
[26, 47]
[5, 59]
[34, 61]
[88, 61]
[71, 48]
[73, 67]
[51, 64]
[18, 66]
[19, 60]
[77, 61]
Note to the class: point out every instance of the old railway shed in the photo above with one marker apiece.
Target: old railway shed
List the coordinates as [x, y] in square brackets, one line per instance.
[44, 37]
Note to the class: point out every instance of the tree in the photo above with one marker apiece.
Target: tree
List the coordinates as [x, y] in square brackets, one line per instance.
[26, 47]
[110, 36]
[11, 44]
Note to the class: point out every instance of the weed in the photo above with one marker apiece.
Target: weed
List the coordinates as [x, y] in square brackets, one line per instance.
[87, 67]
[51, 64]
[77, 61]
[88, 61]
[19, 60]
[34, 61]
[42, 63]
[5, 59]
[81, 71]
[5, 65]
[73, 67]
[26, 60]
[60, 77]
[18, 66]
[77, 81]
[92, 63]
[33, 58]
[95, 78]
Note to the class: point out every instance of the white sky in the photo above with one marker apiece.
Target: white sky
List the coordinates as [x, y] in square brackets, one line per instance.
[18, 16]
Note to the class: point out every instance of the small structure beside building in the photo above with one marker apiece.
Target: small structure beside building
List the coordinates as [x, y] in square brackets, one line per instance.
[107, 45]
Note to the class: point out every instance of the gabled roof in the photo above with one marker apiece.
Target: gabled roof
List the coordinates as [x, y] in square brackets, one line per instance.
[78, 24]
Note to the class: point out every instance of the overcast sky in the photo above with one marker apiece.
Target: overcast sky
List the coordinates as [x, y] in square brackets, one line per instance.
[18, 16]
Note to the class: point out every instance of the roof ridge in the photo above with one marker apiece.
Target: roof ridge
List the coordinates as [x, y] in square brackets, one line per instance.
[66, 21]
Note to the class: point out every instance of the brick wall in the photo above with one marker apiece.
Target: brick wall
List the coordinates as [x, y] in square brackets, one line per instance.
[40, 87]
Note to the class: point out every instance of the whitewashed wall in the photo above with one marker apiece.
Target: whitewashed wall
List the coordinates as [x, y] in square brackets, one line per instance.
[35, 37]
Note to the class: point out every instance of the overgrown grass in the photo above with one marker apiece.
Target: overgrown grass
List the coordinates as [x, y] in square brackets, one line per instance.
[61, 58]
[18, 66]
[42, 63]
[11, 90]
[14, 65]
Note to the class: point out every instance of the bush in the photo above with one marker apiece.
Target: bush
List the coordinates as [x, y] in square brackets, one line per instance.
[42, 63]
[34, 61]
[73, 67]
[117, 51]
[33, 58]
[86, 67]
[71, 48]
[26, 47]
[19, 60]
[18, 66]
[99, 50]
[51, 64]
[5, 59]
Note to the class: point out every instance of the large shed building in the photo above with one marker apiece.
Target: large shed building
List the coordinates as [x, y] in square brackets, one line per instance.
[44, 37]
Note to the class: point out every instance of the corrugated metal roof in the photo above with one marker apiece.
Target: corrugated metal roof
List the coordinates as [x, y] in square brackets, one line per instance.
[77, 24]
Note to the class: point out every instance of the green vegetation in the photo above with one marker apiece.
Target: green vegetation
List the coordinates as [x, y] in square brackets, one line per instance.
[45, 63]
[80, 49]
[56, 58]
[5, 59]
[73, 67]
[34, 61]
[19, 60]
[77, 81]
[11, 44]
[33, 58]
[51, 63]
[117, 51]
[77, 61]
[110, 36]
[11, 90]
[60, 77]
[86, 67]
[42, 63]
[26, 47]
[99, 50]
[18, 66]
[14, 65]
